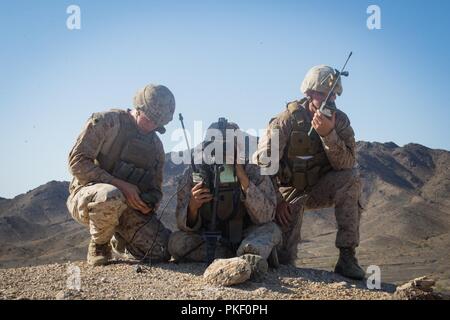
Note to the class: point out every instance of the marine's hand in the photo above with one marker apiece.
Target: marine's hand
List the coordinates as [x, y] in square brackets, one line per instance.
[132, 195]
[322, 124]
[283, 214]
[199, 195]
[242, 176]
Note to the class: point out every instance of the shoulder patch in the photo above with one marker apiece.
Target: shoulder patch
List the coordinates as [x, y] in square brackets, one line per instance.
[106, 119]
[293, 106]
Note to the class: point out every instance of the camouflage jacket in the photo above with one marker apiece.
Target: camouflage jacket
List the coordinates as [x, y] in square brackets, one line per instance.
[259, 199]
[339, 144]
[98, 136]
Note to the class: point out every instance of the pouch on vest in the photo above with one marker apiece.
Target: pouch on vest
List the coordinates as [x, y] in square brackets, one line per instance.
[133, 152]
[146, 182]
[313, 175]
[225, 208]
[229, 213]
[236, 227]
[136, 176]
[299, 144]
[299, 181]
[123, 170]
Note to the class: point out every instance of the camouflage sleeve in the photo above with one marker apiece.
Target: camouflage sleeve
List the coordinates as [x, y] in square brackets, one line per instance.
[278, 194]
[340, 144]
[282, 124]
[185, 185]
[159, 166]
[260, 197]
[88, 146]
[284, 127]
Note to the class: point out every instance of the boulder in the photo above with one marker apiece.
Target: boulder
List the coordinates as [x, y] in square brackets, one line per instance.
[227, 272]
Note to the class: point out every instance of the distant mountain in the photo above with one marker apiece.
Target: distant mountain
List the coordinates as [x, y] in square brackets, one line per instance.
[36, 228]
[405, 228]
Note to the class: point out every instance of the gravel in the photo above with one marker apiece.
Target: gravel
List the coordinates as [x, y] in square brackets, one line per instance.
[122, 280]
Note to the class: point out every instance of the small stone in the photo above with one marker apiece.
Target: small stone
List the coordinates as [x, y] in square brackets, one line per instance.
[138, 269]
[60, 295]
[67, 294]
[424, 283]
[417, 289]
[338, 285]
[261, 291]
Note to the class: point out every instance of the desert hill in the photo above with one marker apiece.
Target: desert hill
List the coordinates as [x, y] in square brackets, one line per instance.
[405, 229]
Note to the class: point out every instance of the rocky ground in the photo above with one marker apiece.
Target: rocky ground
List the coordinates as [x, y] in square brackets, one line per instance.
[126, 281]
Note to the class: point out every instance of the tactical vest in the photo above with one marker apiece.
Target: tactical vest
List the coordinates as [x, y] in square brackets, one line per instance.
[132, 158]
[232, 217]
[304, 160]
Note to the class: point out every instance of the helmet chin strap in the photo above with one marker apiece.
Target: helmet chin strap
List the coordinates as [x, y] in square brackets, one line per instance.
[137, 113]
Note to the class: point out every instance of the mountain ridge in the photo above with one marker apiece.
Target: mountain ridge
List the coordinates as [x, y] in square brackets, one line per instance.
[405, 228]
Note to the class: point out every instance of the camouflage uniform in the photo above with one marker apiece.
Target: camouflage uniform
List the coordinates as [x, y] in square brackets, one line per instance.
[259, 238]
[339, 187]
[95, 202]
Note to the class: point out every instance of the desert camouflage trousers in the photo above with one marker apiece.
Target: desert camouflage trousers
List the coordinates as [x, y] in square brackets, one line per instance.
[341, 189]
[102, 207]
[258, 239]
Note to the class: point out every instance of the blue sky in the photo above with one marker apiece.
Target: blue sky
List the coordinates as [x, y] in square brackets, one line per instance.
[238, 59]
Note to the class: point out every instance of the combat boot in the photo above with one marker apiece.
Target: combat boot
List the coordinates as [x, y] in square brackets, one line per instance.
[98, 254]
[273, 260]
[258, 264]
[348, 266]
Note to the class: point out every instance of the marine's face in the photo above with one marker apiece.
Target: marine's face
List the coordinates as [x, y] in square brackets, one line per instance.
[318, 97]
[145, 125]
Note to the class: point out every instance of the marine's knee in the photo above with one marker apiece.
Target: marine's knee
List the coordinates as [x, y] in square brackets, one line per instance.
[176, 237]
[347, 176]
[179, 242]
[107, 192]
[273, 229]
[108, 203]
[350, 182]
